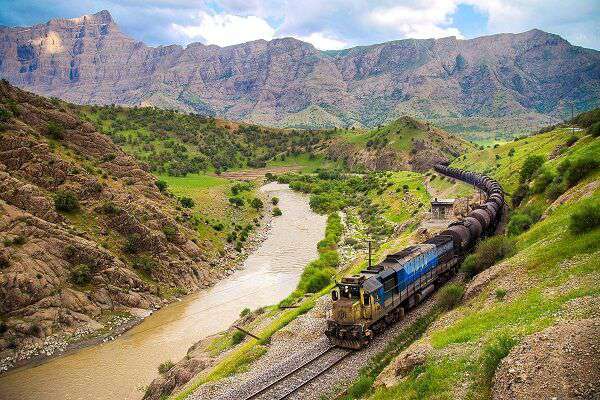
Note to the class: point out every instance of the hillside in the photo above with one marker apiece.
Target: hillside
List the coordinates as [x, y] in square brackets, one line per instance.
[404, 144]
[89, 239]
[499, 85]
[176, 144]
[520, 325]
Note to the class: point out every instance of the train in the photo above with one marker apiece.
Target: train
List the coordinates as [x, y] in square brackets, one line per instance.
[365, 304]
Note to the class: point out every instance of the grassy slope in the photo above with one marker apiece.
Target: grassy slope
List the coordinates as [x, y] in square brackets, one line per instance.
[552, 269]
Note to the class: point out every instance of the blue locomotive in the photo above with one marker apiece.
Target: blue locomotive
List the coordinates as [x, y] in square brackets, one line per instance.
[364, 304]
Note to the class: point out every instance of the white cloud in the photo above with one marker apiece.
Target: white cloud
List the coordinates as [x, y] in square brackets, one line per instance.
[225, 29]
[322, 42]
[420, 20]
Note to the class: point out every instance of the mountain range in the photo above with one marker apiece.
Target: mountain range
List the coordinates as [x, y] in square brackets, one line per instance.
[500, 85]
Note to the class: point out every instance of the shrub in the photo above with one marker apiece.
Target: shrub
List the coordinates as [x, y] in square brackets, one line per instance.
[132, 244]
[469, 265]
[165, 367]
[5, 115]
[20, 240]
[571, 140]
[55, 131]
[487, 253]
[4, 263]
[542, 180]
[245, 312]
[586, 218]
[594, 129]
[236, 201]
[186, 202]
[579, 168]
[161, 185]
[492, 250]
[317, 281]
[450, 295]
[109, 208]
[170, 232]
[519, 194]
[511, 152]
[530, 167]
[275, 201]
[237, 337]
[65, 200]
[81, 275]
[523, 219]
[145, 264]
[555, 189]
[500, 294]
[277, 212]
[256, 203]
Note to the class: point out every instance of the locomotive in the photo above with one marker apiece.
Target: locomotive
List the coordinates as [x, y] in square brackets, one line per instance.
[364, 304]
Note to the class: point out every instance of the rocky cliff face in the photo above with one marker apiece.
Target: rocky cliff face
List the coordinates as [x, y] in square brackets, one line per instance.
[495, 83]
[125, 246]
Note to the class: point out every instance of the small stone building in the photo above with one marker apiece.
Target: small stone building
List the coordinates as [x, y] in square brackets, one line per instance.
[442, 208]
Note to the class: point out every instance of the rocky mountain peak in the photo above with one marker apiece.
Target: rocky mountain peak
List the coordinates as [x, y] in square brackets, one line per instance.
[504, 83]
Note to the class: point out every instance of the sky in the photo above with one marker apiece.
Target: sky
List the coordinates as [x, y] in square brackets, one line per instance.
[327, 24]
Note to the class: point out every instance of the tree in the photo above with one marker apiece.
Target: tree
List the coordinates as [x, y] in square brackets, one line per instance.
[65, 200]
[161, 185]
[256, 203]
[186, 202]
[530, 167]
[277, 212]
[275, 201]
[55, 131]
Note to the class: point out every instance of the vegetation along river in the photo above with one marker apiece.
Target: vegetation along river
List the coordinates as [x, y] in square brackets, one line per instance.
[116, 369]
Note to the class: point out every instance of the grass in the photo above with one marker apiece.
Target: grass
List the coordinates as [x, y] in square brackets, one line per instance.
[305, 162]
[192, 182]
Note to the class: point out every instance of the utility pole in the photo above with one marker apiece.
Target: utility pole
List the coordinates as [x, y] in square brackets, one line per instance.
[572, 124]
[369, 241]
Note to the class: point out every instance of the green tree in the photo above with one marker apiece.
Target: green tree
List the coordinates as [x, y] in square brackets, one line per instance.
[65, 200]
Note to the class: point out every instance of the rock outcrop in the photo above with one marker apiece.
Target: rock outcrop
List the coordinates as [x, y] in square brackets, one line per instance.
[61, 271]
[503, 82]
[561, 362]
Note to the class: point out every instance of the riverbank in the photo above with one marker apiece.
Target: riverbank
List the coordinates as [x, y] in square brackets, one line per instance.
[118, 367]
[34, 354]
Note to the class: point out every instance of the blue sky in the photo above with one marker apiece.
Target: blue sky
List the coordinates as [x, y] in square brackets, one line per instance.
[327, 24]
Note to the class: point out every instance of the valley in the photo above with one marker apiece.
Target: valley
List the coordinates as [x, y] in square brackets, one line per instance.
[173, 219]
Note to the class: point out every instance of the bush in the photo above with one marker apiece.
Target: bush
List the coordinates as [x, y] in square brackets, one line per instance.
[487, 253]
[145, 264]
[161, 185]
[55, 131]
[109, 208]
[586, 218]
[579, 168]
[450, 295]
[275, 201]
[186, 202]
[132, 244]
[519, 194]
[594, 129]
[469, 265]
[555, 189]
[81, 275]
[277, 212]
[165, 367]
[236, 201]
[237, 337]
[19, 240]
[500, 294]
[317, 281]
[522, 220]
[530, 167]
[170, 232]
[245, 312]
[5, 115]
[256, 203]
[65, 200]
[542, 180]
[571, 140]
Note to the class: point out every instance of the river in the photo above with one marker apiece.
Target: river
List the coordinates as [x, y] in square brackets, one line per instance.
[116, 369]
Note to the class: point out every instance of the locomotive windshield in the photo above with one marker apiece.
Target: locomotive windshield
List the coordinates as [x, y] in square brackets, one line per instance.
[349, 291]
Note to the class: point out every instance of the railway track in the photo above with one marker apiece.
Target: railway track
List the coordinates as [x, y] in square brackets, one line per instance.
[294, 380]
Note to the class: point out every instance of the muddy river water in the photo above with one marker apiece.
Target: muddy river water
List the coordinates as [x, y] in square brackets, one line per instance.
[116, 369]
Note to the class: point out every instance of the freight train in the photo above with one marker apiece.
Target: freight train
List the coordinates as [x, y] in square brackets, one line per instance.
[364, 304]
